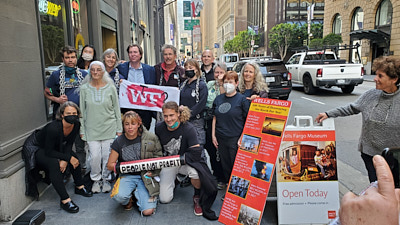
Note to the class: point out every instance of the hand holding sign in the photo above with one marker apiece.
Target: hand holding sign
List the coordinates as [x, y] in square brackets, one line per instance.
[145, 96]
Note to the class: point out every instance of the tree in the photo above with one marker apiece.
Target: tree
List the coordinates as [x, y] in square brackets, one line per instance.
[281, 38]
[332, 39]
[228, 46]
[53, 41]
[316, 43]
[241, 43]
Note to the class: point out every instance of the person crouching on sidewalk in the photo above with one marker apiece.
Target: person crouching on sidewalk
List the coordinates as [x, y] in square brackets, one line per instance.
[135, 144]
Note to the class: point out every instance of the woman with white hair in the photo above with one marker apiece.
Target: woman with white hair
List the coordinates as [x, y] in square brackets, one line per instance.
[110, 60]
[251, 82]
[101, 121]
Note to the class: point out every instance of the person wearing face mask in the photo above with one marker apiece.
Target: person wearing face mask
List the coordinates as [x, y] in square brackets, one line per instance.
[101, 122]
[88, 55]
[55, 153]
[215, 88]
[179, 137]
[230, 112]
[193, 94]
[63, 85]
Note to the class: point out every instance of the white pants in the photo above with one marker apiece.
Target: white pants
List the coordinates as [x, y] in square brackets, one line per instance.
[99, 151]
[167, 180]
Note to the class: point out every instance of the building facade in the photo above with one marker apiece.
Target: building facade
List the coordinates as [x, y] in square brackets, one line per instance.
[370, 23]
[208, 25]
[36, 31]
[232, 18]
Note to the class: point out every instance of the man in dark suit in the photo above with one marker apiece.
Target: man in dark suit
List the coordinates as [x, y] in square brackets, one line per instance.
[137, 72]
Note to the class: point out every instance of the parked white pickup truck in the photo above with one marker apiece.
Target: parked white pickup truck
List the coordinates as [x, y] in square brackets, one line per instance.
[315, 69]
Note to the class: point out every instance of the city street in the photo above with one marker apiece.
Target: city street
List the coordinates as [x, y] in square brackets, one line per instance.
[100, 209]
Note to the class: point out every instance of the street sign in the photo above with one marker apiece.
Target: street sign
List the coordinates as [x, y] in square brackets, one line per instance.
[216, 45]
[187, 9]
[196, 33]
[190, 23]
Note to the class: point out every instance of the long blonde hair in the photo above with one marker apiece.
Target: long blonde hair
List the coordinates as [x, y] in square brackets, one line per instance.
[259, 83]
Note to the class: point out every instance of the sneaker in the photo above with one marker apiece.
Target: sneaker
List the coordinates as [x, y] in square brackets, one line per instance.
[106, 186]
[197, 208]
[129, 206]
[221, 185]
[96, 188]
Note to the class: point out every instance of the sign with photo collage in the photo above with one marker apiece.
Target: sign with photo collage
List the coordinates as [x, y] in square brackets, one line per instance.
[254, 166]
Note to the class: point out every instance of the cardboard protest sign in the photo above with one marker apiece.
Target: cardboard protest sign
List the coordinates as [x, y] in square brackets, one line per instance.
[146, 96]
[255, 162]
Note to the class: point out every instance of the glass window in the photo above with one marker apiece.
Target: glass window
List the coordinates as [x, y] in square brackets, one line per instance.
[109, 32]
[292, 3]
[337, 24]
[54, 37]
[357, 20]
[384, 14]
[79, 24]
[54, 32]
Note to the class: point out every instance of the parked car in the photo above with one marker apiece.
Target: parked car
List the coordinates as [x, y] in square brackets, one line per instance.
[276, 75]
[229, 59]
[314, 69]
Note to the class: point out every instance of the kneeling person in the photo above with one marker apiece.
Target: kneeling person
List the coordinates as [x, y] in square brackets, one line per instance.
[176, 137]
[135, 144]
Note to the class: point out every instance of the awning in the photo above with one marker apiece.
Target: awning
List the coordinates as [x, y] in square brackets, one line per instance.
[374, 35]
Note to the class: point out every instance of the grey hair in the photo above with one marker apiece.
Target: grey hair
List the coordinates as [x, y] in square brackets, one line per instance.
[259, 83]
[61, 109]
[220, 65]
[109, 51]
[168, 46]
[106, 77]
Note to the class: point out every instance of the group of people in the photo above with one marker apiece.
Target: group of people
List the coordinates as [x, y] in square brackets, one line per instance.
[213, 108]
[84, 94]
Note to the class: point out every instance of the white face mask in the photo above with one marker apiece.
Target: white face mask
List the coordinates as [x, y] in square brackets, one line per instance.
[229, 88]
[87, 57]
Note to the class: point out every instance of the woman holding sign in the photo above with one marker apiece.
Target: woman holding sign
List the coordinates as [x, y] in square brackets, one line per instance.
[230, 112]
[100, 123]
[380, 109]
[135, 144]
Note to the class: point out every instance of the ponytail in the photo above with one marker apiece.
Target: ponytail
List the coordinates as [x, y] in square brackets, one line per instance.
[184, 114]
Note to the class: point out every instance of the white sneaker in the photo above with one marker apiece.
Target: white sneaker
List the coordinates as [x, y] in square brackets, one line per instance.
[106, 186]
[96, 188]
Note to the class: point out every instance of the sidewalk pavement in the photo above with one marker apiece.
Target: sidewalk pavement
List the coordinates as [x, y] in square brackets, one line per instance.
[101, 209]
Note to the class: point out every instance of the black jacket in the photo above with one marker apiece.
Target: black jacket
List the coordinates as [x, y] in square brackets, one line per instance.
[208, 191]
[32, 176]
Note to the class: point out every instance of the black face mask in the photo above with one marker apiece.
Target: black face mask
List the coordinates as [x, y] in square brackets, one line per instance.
[189, 73]
[71, 119]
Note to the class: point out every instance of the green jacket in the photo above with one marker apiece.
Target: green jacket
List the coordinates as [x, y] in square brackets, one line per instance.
[150, 148]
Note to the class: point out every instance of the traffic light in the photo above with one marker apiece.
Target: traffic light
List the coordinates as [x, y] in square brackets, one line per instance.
[305, 42]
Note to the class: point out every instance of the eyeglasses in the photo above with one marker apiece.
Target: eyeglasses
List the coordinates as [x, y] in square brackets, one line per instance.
[96, 70]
